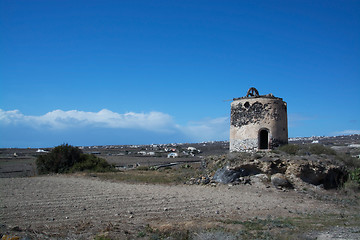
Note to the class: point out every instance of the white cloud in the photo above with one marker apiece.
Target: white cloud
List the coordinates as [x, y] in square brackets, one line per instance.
[208, 129]
[59, 119]
[8, 117]
[204, 130]
[347, 132]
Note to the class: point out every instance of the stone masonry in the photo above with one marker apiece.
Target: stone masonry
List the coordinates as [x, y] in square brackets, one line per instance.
[258, 122]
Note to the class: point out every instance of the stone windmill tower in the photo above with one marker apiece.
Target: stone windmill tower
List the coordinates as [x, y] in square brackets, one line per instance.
[258, 122]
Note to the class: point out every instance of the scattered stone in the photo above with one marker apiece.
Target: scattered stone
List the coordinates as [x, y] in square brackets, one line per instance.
[280, 181]
[16, 228]
[205, 180]
[226, 175]
[259, 178]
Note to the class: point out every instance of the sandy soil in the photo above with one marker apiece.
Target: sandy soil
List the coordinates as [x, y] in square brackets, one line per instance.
[81, 207]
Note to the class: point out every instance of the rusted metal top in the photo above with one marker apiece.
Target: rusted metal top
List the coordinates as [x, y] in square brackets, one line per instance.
[254, 93]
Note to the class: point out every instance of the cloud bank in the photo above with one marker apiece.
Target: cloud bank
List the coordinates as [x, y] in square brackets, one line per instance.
[58, 119]
[154, 125]
[347, 132]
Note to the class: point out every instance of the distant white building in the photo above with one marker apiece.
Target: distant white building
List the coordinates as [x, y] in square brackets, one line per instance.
[41, 151]
[172, 155]
[354, 145]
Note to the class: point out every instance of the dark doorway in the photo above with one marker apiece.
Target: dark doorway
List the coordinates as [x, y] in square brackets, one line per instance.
[264, 139]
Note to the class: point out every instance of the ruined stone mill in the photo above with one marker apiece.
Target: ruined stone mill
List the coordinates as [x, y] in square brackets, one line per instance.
[258, 122]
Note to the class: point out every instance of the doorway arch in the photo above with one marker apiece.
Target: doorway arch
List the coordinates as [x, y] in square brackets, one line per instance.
[264, 138]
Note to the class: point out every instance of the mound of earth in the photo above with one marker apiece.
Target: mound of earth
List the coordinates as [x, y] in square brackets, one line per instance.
[284, 171]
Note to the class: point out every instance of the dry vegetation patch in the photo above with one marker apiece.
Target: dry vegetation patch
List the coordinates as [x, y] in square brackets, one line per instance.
[160, 176]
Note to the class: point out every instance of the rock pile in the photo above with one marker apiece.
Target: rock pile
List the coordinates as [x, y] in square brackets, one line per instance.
[279, 171]
[202, 180]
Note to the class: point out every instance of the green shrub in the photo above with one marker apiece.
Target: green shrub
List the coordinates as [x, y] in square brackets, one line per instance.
[66, 158]
[91, 163]
[306, 149]
[143, 168]
[351, 187]
[321, 149]
[350, 162]
[355, 175]
[59, 160]
[289, 148]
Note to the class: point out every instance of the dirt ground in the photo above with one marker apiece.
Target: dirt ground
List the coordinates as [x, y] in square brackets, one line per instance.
[79, 207]
[82, 207]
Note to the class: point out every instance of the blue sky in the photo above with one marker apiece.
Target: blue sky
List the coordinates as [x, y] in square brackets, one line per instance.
[142, 72]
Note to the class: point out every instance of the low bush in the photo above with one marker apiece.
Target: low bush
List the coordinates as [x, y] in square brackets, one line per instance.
[92, 163]
[351, 187]
[321, 149]
[289, 148]
[66, 158]
[355, 175]
[143, 168]
[350, 162]
[306, 149]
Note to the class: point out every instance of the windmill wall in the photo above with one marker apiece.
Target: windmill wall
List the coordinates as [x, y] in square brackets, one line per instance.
[258, 122]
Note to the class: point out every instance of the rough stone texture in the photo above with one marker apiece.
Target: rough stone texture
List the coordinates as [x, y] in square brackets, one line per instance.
[226, 175]
[250, 115]
[259, 179]
[243, 145]
[280, 181]
[317, 173]
[299, 173]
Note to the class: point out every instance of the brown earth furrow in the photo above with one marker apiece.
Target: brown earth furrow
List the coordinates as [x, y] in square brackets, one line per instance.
[66, 202]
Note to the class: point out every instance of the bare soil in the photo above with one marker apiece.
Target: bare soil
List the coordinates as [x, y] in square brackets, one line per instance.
[79, 207]
[83, 207]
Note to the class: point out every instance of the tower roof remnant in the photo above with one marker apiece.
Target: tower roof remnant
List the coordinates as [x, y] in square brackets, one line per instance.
[254, 93]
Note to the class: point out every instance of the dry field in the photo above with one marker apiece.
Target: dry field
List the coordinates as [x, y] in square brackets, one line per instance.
[95, 206]
[84, 207]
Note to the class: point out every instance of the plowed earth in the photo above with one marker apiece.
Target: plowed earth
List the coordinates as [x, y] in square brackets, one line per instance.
[74, 207]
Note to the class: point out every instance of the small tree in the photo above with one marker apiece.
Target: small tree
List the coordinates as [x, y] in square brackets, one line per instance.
[65, 158]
